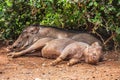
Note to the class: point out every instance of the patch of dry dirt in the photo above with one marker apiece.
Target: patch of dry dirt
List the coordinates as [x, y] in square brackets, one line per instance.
[32, 68]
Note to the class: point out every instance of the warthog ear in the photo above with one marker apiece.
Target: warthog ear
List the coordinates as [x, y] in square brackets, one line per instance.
[35, 30]
[95, 44]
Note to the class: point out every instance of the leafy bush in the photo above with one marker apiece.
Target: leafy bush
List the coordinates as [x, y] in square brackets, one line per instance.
[100, 17]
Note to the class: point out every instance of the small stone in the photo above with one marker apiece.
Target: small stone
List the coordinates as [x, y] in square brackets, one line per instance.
[38, 79]
[44, 65]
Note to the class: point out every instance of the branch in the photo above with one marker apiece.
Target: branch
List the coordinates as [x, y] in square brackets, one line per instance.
[99, 36]
[113, 35]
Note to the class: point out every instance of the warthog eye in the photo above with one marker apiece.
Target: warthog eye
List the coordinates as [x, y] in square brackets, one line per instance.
[14, 47]
[27, 36]
[32, 32]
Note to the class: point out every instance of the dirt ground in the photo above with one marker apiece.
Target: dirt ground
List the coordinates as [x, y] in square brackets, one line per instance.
[31, 67]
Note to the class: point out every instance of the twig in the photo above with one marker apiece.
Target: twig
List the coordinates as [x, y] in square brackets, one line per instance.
[94, 30]
[113, 35]
[100, 36]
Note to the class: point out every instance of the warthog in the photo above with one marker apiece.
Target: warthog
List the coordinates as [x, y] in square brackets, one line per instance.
[76, 51]
[33, 33]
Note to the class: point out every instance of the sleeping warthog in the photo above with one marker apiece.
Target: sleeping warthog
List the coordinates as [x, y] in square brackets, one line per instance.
[74, 51]
[33, 33]
[65, 49]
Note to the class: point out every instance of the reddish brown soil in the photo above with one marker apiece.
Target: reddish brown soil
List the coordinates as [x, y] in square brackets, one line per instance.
[32, 68]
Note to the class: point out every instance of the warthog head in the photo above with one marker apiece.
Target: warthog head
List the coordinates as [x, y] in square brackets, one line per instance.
[25, 37]
[93, 53]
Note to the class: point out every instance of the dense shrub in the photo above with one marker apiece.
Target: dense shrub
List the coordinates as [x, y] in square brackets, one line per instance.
[100, 17]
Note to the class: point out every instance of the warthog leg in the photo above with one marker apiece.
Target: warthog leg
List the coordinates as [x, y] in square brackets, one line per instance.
[37, 45]
[73, 61]
[60, 58]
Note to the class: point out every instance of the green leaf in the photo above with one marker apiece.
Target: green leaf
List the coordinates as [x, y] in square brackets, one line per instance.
[9, 3]
[95, 4]
[118, 30]
[90, 4]
[102, 8]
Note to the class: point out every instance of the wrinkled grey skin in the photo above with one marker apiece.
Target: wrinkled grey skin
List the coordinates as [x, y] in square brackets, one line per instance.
[33, 33]
[75, 52]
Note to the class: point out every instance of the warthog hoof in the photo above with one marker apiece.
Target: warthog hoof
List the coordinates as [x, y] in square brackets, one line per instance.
[13, 55]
